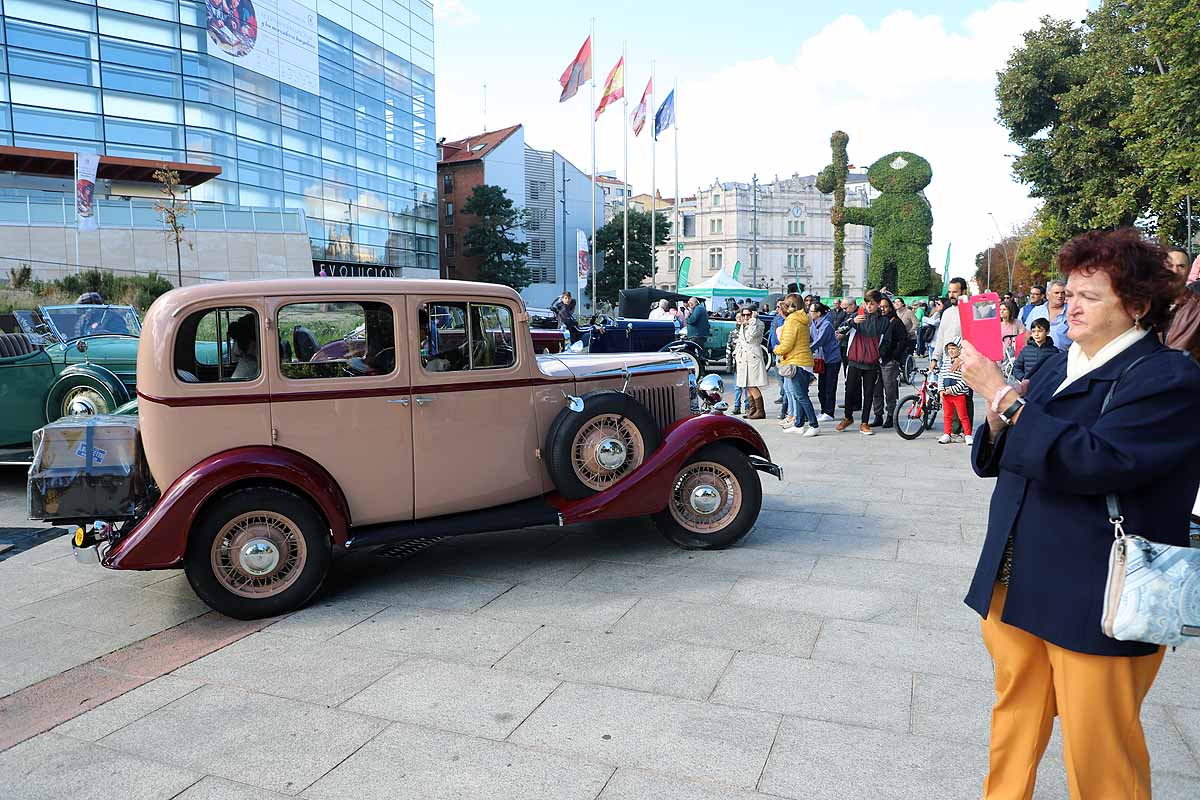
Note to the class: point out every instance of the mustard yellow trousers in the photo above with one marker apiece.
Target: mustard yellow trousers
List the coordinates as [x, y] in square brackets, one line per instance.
[1098, 700]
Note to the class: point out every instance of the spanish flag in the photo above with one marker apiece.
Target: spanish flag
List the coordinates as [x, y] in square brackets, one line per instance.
[578, 72]
[614, 87]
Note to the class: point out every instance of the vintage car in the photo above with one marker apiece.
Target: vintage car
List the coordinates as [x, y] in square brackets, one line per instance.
[68, 359]
[605, 334]
[253, 471]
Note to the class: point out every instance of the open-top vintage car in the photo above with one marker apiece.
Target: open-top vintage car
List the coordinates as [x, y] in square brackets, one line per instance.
[254, 470]
[64, 359]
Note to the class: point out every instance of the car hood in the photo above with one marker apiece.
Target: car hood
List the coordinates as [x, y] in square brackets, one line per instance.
[102, 350]
[584, 365]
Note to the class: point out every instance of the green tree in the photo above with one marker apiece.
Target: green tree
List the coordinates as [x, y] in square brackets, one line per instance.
[1106, 137]
[174, 209]
[610, 240]
[492, 237]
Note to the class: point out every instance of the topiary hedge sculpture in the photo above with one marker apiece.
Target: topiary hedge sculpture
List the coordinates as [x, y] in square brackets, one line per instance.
[902, 220]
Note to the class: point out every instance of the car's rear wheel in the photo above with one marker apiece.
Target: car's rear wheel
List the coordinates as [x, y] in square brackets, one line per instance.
[590, 450]
[715, 500]
[258, 552]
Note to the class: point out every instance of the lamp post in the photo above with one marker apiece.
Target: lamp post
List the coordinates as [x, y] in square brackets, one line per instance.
[1007, 259]
[754, 231]
[565, 181]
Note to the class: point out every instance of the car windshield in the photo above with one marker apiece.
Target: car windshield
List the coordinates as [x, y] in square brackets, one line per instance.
[76, 321]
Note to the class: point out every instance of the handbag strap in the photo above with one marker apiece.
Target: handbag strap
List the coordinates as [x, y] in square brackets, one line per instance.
[1111, 500]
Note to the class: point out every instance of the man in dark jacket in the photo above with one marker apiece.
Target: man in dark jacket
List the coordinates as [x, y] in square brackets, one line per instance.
[697, 322]
[564, 310]
[868, 328]
[893, 350]
[1039, 349]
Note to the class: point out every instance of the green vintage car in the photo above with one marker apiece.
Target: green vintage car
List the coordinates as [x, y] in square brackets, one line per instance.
[71, 359]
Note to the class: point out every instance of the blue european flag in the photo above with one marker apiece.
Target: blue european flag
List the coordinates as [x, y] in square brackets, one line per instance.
[665, 116]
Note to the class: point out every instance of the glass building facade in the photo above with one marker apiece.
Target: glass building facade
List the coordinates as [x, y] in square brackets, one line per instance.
[139, 78]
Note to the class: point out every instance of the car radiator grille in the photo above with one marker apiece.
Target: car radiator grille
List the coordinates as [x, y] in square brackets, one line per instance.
[660, 400]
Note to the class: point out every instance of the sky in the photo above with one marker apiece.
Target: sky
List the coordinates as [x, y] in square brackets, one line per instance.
[761, 86]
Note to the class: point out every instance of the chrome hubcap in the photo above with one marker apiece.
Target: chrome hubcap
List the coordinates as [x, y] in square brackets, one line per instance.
[611, 454]
[84, 400]
[259, 556]
[705, 499]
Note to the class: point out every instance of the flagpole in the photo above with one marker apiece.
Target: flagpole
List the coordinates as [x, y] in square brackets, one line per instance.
[625, 169]
[76, 198]
[592, 116]
[675, 114]
[650, 112]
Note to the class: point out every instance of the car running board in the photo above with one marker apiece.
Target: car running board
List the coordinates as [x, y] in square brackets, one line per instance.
[522, 514]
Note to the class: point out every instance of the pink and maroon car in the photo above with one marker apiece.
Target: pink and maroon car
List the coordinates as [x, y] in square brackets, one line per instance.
[254, 469]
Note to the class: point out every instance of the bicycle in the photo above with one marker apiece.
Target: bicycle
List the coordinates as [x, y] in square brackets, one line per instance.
[916, 413]
[1010, 356]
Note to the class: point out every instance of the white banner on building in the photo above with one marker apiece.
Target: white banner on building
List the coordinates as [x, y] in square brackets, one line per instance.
[276, 38]
[584, 255]
[85, 190]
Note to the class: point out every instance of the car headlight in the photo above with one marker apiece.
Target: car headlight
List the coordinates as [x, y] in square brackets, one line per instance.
[711, 387]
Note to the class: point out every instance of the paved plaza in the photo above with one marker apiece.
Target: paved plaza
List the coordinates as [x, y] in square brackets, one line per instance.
[828, 655]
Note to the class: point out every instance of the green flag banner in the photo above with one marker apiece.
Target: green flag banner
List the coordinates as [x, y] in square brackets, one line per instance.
[684, 266]
[737, 270]
[946, 269]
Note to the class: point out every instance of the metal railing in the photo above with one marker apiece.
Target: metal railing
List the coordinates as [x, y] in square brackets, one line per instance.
[140, 213]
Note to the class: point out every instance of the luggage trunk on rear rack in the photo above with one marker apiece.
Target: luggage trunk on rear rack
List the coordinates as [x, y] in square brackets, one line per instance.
[88, 468]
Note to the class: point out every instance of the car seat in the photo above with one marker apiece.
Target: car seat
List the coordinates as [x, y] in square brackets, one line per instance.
[14, 345]
[305, 343]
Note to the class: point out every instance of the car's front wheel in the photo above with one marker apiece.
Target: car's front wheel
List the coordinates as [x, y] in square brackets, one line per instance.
[258, 552]
[715, 500]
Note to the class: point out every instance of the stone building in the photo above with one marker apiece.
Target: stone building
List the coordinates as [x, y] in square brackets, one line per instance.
[794, 235]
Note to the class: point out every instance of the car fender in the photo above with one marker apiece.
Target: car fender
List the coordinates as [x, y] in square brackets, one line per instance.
[160, 540]
[647, 489]
[96, 375]
[687, 345]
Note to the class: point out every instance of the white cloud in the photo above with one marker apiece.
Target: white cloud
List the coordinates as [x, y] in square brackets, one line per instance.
[908, 83]
[453, 13]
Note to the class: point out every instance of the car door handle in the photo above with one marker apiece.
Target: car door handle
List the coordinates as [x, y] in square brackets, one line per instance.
[424, 400]
[400, 401]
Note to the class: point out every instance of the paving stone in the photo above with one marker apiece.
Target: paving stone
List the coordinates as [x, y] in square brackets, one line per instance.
[249, 738]
[934, 652]
[37, 555]
[12, 617]
[890, 523]
[824, 600]
[568, 609]
[950, 554]
[210, 788]
[35, 649]
[636, 784]
[688, 584]
[742, 561]
[29, 584]
[821, 544]
[122, 610]
[541, 567]
[129, 707]
[470, 639]
[876, 574]
[609, 659]
[176, 584]
[322, 672]
[827, 761]
[945, 610]
[326, 619]
[973, 534]
[407, 761]
[683, 738]
[51, 767]
[854, 695]
[1187, 722]
[479, 701]
[952, 708]
[788, 512]
[405, 588]
[1175, 787]
[1177, 683]
[637, 544]
[724, 626]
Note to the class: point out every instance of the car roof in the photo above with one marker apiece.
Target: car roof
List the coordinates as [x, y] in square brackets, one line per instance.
[177, 299]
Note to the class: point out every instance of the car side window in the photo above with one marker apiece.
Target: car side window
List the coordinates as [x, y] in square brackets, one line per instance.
[218, 345]
[457, 337]
[336, 340]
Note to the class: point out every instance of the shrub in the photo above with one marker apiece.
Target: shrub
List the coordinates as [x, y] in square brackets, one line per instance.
[19, 277]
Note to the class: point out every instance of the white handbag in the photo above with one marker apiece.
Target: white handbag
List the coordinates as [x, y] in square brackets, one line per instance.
[1153, 590]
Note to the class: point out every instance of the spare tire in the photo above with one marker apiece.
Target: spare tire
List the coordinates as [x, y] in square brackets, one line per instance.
[590, 450]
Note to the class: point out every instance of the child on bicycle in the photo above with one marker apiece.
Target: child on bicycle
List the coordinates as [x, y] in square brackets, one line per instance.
[954, 394]
[1036, 352]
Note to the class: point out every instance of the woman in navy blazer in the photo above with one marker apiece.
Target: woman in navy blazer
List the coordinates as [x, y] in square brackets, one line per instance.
[1039, 584]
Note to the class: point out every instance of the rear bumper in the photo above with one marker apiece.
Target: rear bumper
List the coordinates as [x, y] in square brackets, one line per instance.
[763, 465]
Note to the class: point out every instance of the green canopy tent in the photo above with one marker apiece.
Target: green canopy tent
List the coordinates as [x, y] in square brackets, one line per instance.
[721, 286]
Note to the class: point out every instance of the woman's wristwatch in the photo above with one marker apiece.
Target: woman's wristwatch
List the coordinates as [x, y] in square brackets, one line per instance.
[1009, 414]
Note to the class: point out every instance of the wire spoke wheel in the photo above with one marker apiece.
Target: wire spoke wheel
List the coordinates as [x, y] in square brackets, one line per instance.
[606, 449]
[84, 400]
[258, 554]
[705, 497]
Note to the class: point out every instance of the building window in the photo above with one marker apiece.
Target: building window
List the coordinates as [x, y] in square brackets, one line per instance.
[449, 213]
[801, 224]
[689, 225]
[447, 182]
[754, 257]
[716, 259]
[716, 199]
[673, 262]
[537, 249]
[449, 245]
[716, 225]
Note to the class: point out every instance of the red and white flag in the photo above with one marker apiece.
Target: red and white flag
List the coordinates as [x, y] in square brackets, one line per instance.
[577, 72]
[639, 113]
